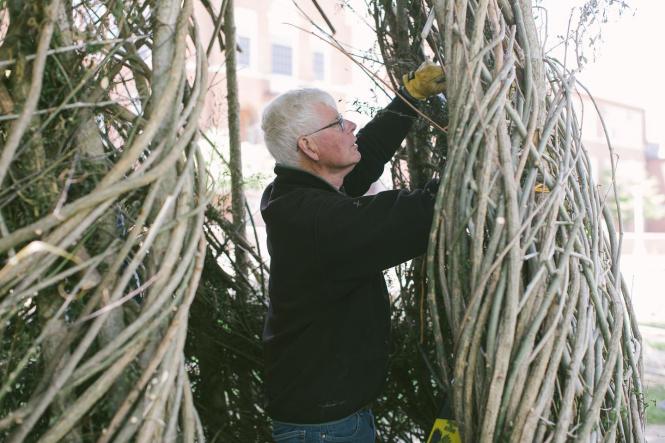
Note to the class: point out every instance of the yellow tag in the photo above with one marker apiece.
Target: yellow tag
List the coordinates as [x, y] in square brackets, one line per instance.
[444, 431]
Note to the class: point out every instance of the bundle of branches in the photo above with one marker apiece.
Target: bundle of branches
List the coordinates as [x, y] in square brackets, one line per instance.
[101, 218]
[537, 338]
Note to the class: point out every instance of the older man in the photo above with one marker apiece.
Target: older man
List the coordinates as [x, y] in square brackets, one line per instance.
[326, 335]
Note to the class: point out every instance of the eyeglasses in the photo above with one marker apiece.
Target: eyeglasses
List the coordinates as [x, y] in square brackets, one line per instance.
[339, 121]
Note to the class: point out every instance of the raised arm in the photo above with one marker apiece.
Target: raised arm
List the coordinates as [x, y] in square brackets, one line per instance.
[364, 235]
[377, 143]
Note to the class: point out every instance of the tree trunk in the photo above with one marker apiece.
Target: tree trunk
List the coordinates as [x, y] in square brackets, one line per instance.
[235, 152]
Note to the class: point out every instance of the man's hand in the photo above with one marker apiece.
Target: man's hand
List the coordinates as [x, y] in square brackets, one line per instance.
[427, 80]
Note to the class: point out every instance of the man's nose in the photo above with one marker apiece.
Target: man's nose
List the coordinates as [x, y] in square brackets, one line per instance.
[352, 125]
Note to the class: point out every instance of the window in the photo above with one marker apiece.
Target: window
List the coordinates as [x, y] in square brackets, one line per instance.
[282, 57]
[319, 66]
[244, 53]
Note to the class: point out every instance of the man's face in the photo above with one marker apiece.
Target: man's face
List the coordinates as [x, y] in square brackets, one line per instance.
[337, 148]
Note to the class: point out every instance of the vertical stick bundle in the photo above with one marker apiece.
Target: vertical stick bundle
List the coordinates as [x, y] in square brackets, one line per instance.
[538, 338]
[101, 209]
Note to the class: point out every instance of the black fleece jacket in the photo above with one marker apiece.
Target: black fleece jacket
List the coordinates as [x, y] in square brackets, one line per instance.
[326, 334]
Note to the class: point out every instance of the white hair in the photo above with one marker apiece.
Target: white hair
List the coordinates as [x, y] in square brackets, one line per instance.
[290, 116]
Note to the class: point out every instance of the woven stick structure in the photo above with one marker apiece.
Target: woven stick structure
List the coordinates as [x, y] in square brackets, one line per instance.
[102, 206]
[536, 336]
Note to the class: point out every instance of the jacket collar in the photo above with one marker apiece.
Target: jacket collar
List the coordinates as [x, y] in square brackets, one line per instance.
[288, 175]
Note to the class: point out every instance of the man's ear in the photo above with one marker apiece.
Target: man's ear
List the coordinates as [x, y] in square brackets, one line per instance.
[309, 148]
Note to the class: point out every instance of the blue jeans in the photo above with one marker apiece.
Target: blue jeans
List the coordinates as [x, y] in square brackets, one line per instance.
[356, 428]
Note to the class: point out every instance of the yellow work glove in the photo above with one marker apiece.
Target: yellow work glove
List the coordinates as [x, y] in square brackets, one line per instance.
[427, 80]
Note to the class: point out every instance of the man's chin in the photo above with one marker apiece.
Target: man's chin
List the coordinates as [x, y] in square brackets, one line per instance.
[354, 161]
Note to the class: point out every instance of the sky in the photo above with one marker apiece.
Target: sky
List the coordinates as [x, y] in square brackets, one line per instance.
[629, 64]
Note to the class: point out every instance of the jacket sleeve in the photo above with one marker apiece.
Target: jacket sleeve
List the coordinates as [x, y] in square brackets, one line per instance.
[357, 236]
[377, 143]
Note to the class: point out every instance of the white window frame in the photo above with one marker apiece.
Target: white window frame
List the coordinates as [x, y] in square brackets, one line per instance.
[250, 49]
[319, 46]
[281, 33]
[325, 65]
[293, 67]
[247, 25]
